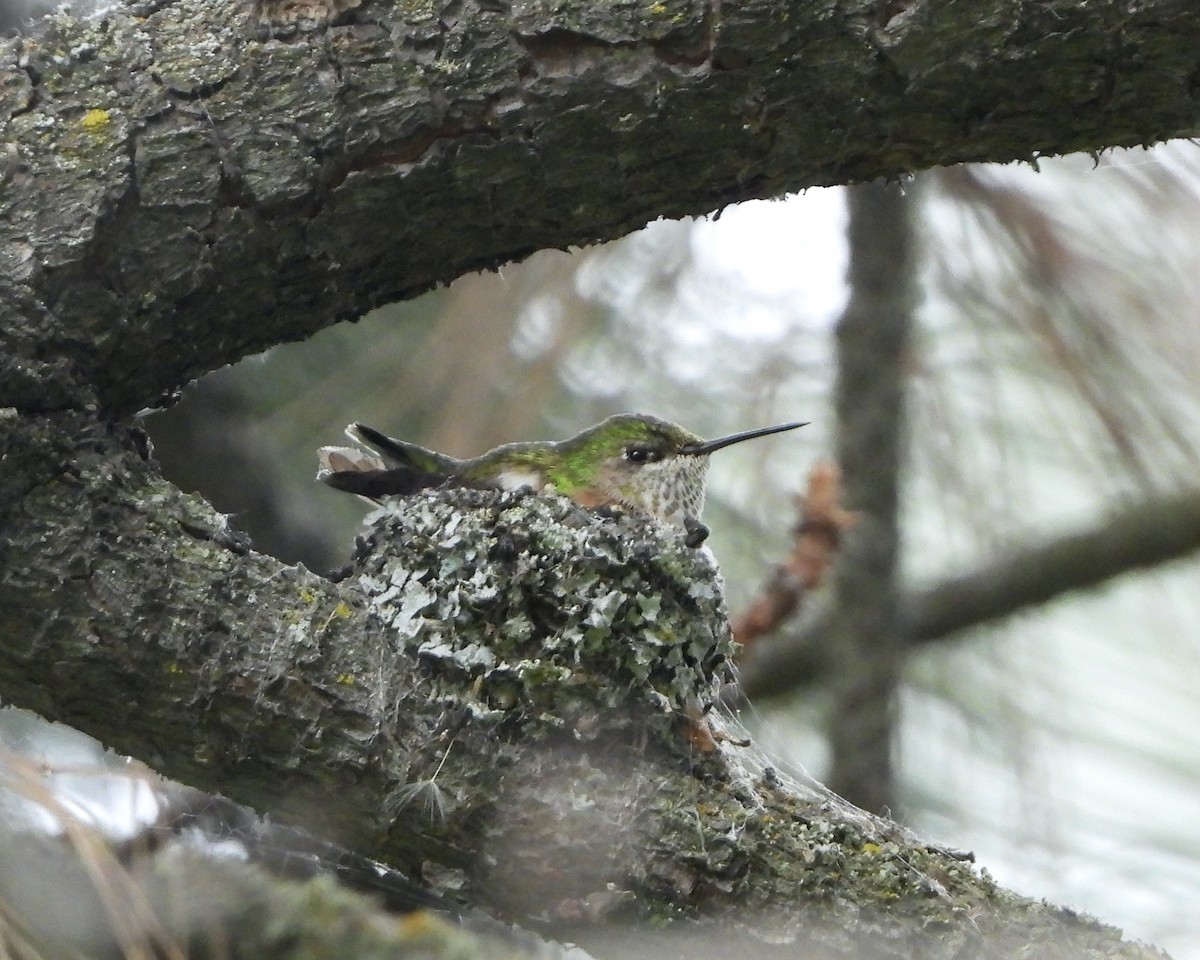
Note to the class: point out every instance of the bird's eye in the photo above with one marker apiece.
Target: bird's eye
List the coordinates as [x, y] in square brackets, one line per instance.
[640, 454]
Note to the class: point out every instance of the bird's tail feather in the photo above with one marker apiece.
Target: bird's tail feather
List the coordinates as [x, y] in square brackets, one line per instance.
[364, 473]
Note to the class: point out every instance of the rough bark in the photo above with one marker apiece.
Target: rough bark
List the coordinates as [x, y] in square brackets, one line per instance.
[494, 699]
[187, 181]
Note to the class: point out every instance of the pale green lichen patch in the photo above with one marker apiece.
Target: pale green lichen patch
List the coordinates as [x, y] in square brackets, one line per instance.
[548, 608]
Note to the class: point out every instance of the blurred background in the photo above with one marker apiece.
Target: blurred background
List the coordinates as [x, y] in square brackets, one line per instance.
[996, 358]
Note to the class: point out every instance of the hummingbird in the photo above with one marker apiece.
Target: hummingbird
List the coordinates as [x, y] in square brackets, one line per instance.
[632, 461]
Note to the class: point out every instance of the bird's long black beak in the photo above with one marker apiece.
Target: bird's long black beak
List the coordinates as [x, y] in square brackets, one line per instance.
[708, 446]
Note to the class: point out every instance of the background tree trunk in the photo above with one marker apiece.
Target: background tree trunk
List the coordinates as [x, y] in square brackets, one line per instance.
[864, 638]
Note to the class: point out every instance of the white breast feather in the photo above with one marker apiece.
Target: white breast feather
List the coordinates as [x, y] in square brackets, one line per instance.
[515, 479]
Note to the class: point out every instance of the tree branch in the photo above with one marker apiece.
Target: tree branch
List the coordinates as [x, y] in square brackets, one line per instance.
[191, 181]
[526, 661]
[180, 902]
[1145, 535]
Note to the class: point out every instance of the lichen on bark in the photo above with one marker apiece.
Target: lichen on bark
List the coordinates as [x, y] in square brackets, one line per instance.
[552, 612]
[490, 699]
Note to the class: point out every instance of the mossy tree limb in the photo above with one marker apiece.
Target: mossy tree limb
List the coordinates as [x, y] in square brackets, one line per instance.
[187, 181]
[494, 698]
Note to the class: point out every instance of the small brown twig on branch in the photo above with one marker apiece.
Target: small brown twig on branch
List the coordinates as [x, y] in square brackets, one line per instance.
[817, 538]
